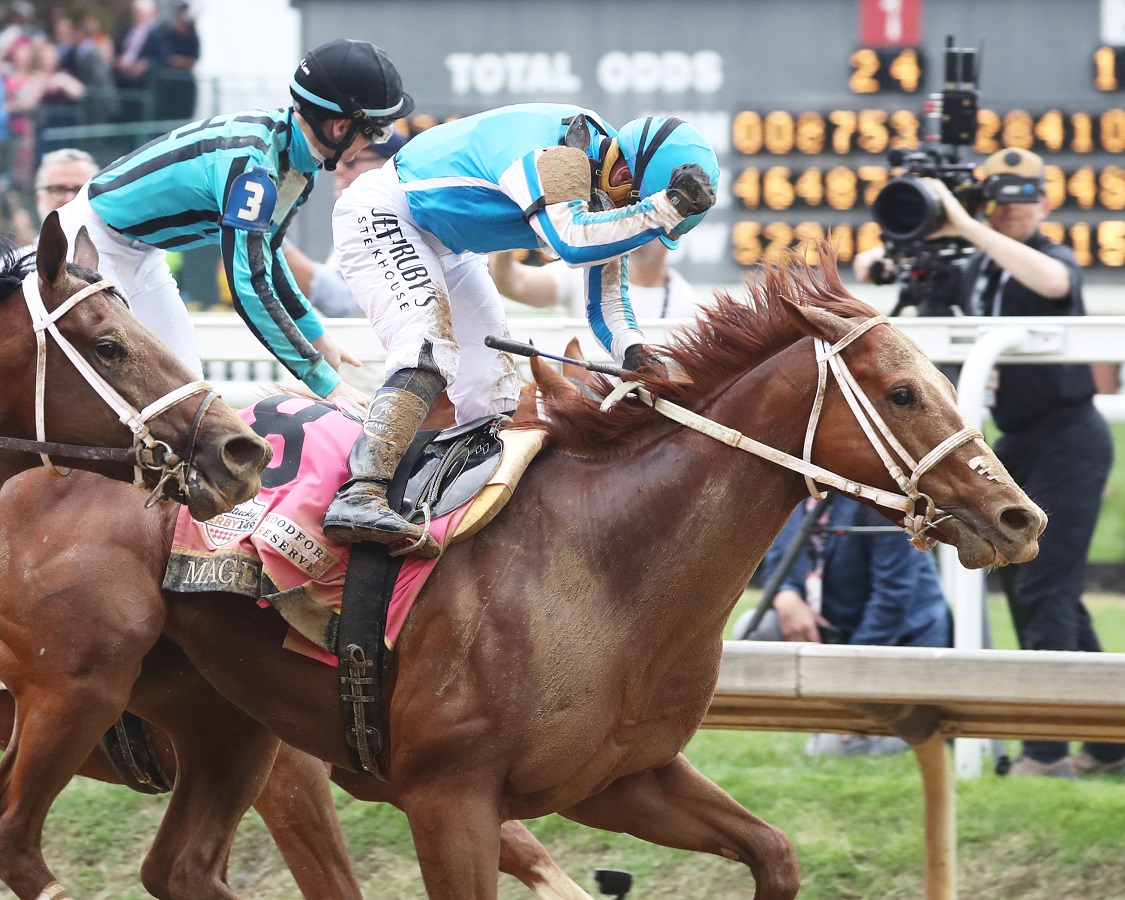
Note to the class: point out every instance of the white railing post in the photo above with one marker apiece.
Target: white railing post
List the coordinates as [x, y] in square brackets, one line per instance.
[965, 587]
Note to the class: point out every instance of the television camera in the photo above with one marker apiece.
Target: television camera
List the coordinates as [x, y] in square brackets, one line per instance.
[908, 209]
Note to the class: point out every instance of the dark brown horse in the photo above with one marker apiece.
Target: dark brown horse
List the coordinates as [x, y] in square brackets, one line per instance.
[79, 370]
[561, 658]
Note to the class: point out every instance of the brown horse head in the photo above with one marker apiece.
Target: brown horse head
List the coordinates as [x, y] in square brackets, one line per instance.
[987, 516]
[223, 457]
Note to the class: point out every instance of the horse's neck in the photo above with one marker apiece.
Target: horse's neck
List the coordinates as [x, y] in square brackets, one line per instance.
[692, 516]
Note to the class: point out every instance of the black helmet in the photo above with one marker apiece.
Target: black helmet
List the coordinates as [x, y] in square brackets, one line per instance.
[354, 80]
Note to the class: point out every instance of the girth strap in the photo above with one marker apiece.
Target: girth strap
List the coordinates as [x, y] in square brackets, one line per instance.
[360, 643]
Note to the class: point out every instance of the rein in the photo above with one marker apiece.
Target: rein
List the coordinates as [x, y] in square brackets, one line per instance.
[147, 453]
[878, 434]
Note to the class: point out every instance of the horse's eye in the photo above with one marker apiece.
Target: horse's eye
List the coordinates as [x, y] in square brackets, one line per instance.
[109, 350]
[902, 396]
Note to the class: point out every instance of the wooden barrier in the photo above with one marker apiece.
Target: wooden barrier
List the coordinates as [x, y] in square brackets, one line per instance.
[924, 695]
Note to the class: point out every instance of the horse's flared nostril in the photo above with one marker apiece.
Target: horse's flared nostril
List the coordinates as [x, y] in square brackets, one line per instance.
[242, 453]
[1023, 520]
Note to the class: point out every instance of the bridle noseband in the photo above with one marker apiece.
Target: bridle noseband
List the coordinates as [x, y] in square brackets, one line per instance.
[916, 524]
[147, 453]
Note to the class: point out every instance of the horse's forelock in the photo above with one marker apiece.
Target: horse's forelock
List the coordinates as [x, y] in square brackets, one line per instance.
[728, 338]
[14, 267]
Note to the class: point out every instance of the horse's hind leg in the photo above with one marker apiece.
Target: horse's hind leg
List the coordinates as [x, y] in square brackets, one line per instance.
[523, 857]
[296, 805]
[54, 733]
[676, 806]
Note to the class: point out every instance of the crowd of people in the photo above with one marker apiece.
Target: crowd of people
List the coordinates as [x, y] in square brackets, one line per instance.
[76, 66]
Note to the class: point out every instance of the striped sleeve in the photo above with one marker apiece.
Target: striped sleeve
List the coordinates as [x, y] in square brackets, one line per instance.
[580, 237]
[283, 321]
[608, 309]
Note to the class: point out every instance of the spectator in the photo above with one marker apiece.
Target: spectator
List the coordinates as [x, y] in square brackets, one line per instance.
[323, 283]
[176, 80]
[1054, 442]
[140, 51]
[410, 239]
[60, 177]
[656, 290]
[89, 59]
[18, 26]
[23, 88]
[236, 181]
[853, 588]
[60, 96]
[15, 220]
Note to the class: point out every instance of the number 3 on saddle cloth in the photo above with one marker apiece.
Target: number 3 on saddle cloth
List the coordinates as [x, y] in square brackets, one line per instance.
[273, 549]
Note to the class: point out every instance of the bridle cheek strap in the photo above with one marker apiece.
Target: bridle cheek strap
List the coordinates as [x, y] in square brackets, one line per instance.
[45, 322]
[916, 524]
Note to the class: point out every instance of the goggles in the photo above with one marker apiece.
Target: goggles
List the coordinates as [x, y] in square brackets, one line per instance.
[618, 193]
[376, 131]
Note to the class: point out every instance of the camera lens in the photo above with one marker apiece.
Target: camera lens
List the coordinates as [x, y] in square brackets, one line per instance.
[907, 209]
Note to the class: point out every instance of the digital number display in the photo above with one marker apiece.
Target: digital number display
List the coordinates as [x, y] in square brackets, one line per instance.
[845, 131]
[876, 70]
[829, 165]
[1094, 243]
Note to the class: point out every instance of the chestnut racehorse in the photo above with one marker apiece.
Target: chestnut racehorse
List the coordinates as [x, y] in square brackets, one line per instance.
[560, 659]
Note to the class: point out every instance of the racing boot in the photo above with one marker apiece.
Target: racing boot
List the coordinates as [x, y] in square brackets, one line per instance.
[360, 511]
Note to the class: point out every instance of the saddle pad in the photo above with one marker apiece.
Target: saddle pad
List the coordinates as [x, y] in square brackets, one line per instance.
[272, 548]
[520, 448]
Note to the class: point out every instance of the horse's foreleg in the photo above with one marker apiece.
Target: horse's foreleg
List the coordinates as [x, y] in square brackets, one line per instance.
[523, 857]
[457, 839]
[297, 807]
[223, 758]
[54, 733]
[676, 806]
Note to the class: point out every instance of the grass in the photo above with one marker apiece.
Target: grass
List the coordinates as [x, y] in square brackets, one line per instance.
[856, 824]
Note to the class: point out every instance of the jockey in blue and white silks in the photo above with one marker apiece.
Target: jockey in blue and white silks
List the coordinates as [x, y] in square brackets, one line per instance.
[237, 180]
[410, 240]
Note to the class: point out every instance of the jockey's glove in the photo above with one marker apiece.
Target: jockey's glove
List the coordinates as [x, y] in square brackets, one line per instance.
[641, 358]
[690, 190]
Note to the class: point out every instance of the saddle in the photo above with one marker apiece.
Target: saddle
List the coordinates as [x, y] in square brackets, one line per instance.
[441, 472]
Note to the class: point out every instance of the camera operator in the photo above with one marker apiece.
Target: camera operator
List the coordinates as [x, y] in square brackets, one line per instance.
[1054, 442]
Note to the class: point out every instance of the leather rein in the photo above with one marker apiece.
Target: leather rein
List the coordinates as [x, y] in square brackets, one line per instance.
[828, 359]
[147, 453]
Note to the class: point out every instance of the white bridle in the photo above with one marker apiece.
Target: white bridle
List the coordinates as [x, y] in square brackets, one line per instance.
[146, 446]
[882, 439]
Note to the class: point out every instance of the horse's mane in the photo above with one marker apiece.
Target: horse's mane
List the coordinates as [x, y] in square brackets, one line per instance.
[14, 266]
[728, 338]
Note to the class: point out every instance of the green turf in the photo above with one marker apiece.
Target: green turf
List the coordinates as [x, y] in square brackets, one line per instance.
[856, 824]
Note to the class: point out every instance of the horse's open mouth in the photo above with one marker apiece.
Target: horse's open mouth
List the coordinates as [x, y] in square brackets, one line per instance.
[980, 545]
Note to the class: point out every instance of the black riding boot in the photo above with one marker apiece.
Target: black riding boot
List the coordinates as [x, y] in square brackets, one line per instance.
[359, 511]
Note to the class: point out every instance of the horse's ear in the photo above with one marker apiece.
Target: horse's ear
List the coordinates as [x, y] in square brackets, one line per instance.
[550, 382]
[85, 253]
[576, 373]
[50, 255]
[820, 322]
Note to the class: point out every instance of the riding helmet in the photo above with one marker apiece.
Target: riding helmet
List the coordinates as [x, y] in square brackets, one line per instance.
[653, 147]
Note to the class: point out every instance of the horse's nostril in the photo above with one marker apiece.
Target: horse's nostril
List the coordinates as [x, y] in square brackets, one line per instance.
[246, 453]
[1019, 519]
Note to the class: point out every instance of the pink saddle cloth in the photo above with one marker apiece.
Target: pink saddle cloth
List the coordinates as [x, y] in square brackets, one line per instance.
[273, 544]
